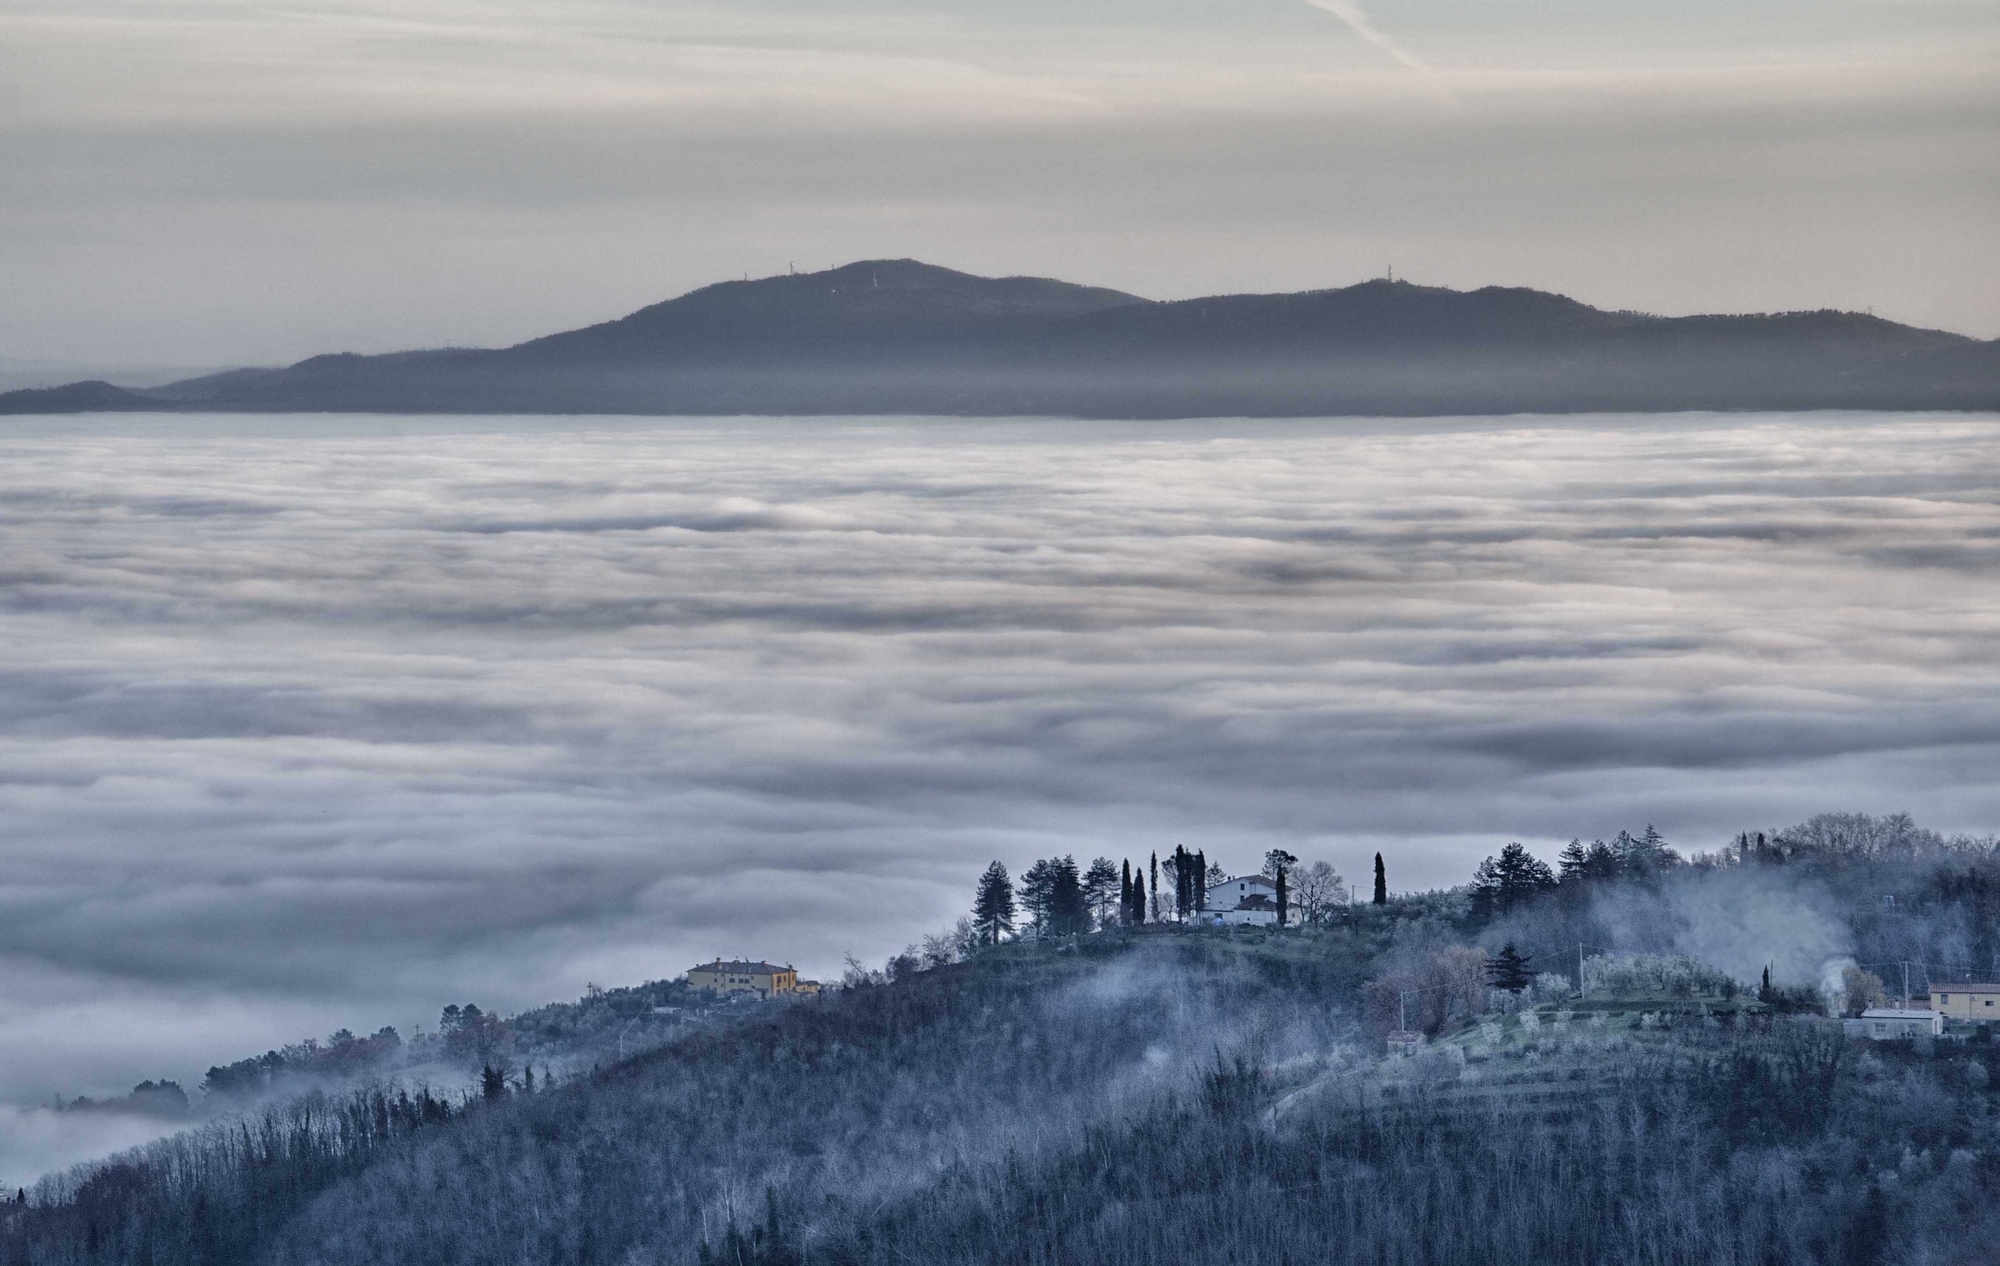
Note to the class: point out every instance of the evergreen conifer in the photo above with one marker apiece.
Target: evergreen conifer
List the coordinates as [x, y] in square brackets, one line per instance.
[993, 904]
[1509, 970]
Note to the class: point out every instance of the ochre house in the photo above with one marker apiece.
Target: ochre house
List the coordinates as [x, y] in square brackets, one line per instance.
[766, 980]
[1966, 1002]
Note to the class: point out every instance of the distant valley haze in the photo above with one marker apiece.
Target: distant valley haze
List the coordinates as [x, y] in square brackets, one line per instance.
[896, 336]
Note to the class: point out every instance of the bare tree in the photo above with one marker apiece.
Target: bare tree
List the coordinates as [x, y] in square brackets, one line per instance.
[1318, 891]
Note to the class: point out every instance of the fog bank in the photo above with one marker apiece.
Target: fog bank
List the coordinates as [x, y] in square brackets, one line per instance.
[311, 722]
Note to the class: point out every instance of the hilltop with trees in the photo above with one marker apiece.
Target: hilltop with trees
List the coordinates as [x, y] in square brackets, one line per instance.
[1107, 1081]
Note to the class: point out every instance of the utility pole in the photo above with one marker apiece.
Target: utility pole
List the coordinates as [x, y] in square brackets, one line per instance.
[1403, 1011]
[1579, 969]
[1906, 986]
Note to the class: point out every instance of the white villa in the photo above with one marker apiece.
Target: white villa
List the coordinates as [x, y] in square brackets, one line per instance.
[1246, 899]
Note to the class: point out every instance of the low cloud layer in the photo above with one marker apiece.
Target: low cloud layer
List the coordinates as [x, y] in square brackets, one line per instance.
[311, 722]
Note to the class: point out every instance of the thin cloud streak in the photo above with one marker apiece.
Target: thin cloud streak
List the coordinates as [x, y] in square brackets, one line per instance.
[1361, 24]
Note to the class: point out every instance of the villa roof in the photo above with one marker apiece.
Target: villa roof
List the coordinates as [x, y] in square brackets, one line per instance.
[741, 967]
[1965, 987]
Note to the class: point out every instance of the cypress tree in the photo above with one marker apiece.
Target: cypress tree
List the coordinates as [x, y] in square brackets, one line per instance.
[1278, 863]
[1139, 898]
[1381, 882]
[1154, 886]
[1200, 882]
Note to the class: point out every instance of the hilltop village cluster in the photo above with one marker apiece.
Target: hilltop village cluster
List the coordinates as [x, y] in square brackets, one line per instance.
[1223, 900]
[1056, 899]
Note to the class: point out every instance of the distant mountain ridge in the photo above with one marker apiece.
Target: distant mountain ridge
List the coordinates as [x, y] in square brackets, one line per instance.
[904, 337]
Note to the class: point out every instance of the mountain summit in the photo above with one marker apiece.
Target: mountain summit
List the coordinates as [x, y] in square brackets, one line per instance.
[889, 306]
[900, 336]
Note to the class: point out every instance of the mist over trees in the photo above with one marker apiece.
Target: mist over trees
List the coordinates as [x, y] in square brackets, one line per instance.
[1138, 1090]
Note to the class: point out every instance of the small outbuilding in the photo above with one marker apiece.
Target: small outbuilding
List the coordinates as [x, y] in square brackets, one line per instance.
[1404, 1042]
[1888, 1024]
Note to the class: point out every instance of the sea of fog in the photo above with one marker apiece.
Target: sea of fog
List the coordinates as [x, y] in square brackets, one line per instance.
[320, 721]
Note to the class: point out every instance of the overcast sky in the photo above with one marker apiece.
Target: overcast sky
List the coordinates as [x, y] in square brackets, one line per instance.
[208, 181]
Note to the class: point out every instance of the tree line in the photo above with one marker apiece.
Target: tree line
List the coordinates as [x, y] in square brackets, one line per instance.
[1054, 899]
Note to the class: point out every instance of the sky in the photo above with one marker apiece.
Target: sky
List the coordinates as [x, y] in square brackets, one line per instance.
[216, 182]
[315, 722]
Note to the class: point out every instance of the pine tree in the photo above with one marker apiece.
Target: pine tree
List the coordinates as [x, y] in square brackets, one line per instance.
[1509, 970]
[1097, 885]
[1503, 883]
[1574, 862]
[1068, 914]
[1381, 882]
[993, 905]
[1038, 886]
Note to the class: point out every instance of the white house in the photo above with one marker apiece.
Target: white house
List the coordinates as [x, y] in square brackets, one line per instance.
[1251, 899]
[1886, 1024]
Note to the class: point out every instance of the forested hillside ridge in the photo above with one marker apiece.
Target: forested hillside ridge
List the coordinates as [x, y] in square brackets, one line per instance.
[469, 1043]
[897, 336]
[1146, 1088]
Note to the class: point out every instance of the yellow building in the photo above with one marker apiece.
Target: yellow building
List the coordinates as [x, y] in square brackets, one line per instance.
[1966, 1002]
[766, 980]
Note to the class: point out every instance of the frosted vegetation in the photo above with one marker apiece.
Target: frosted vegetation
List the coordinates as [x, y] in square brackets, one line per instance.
[1155, 1091]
